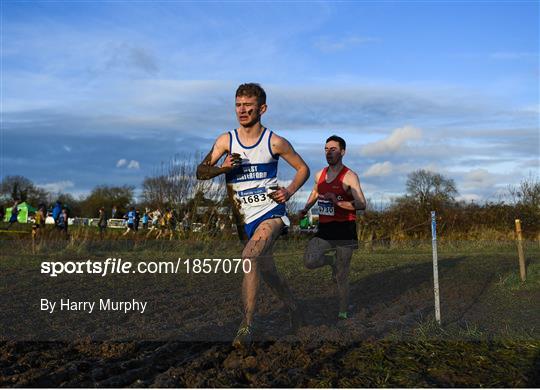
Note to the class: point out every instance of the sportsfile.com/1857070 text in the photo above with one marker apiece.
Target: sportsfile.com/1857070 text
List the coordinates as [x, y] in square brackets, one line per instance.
[113, 266]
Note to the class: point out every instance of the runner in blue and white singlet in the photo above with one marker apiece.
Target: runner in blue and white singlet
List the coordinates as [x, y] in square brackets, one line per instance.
[254, 180]
[258, 202]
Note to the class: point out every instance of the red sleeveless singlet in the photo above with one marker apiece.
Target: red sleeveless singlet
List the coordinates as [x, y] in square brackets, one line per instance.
[329, 212]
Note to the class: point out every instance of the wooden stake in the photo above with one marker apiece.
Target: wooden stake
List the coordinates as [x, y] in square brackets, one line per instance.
[435, 268]
[519, 242]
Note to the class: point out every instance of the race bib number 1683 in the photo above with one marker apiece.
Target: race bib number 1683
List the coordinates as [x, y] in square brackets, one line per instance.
[254, 196]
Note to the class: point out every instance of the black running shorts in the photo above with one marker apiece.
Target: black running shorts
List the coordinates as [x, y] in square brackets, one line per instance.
[339, 233]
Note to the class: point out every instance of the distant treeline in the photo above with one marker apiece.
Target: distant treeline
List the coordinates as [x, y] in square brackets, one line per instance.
[173, 185]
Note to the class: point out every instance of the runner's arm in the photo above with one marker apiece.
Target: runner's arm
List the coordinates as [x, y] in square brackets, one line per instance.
[359, 202]
[207, 170]
[283, 148]
[312, 197]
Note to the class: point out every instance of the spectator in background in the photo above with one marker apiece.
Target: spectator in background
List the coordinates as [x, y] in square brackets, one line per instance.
[62, 224]
[137, 219]
[185, 222]
[14, 214]
[130, 216]
[39, 220]
[171, 223]
[145, 219]
[102, 222]
[156, 216]
[162, 223]
[113, 212]
[57, 209]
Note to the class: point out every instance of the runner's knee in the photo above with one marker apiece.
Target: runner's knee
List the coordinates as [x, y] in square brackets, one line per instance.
[315, 251]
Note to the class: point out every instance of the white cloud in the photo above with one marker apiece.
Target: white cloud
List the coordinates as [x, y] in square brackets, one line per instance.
[67, 148]
[478, 178]
[57, 187]
[379, 169]
[394, 142]
[133, 165]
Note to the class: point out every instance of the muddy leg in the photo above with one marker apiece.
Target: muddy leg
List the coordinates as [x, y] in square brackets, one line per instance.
[343, 262]
[255, 250]
[316, 254]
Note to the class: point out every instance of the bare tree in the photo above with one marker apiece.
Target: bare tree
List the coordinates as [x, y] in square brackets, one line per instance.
[21, 188]
[175, 183]
[527, 193]
[428, 187]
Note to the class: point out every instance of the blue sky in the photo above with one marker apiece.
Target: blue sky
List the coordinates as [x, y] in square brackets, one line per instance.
[102, 92]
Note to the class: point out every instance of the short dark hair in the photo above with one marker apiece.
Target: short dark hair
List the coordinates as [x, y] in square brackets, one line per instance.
[341, 141]
[252, 89]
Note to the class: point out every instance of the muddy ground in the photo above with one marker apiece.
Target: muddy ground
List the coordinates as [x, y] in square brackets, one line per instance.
[490, 334]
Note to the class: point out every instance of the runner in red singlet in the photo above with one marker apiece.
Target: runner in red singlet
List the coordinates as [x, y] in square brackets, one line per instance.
[338, 194]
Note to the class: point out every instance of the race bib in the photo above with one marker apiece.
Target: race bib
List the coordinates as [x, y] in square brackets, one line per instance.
[254, 197]
[326, 207]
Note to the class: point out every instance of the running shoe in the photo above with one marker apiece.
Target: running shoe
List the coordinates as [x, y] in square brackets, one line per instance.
[343, 315]
[244, 337]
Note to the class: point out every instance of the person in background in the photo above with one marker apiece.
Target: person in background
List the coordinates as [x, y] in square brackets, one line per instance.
[145, 219]
[57, 209]
[171, 223]
[156, 216]
[130, 216]
[39, 220]
[14, 214]
[186, 224]
[137, 219]
[62, 224]
[102, 222]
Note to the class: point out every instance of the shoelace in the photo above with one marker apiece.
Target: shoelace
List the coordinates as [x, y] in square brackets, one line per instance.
[246, 330]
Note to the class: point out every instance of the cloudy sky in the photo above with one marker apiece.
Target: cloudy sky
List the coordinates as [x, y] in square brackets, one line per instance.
[102, 92]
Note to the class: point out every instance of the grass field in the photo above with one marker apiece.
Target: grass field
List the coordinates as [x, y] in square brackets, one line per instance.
[490, 333]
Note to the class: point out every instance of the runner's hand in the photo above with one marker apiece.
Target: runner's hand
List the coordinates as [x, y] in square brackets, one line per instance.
[231, 161]
[281, 195]
[302, 213]
[331, 196]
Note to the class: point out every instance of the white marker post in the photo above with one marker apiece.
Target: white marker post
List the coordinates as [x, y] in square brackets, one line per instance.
[435, 268]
